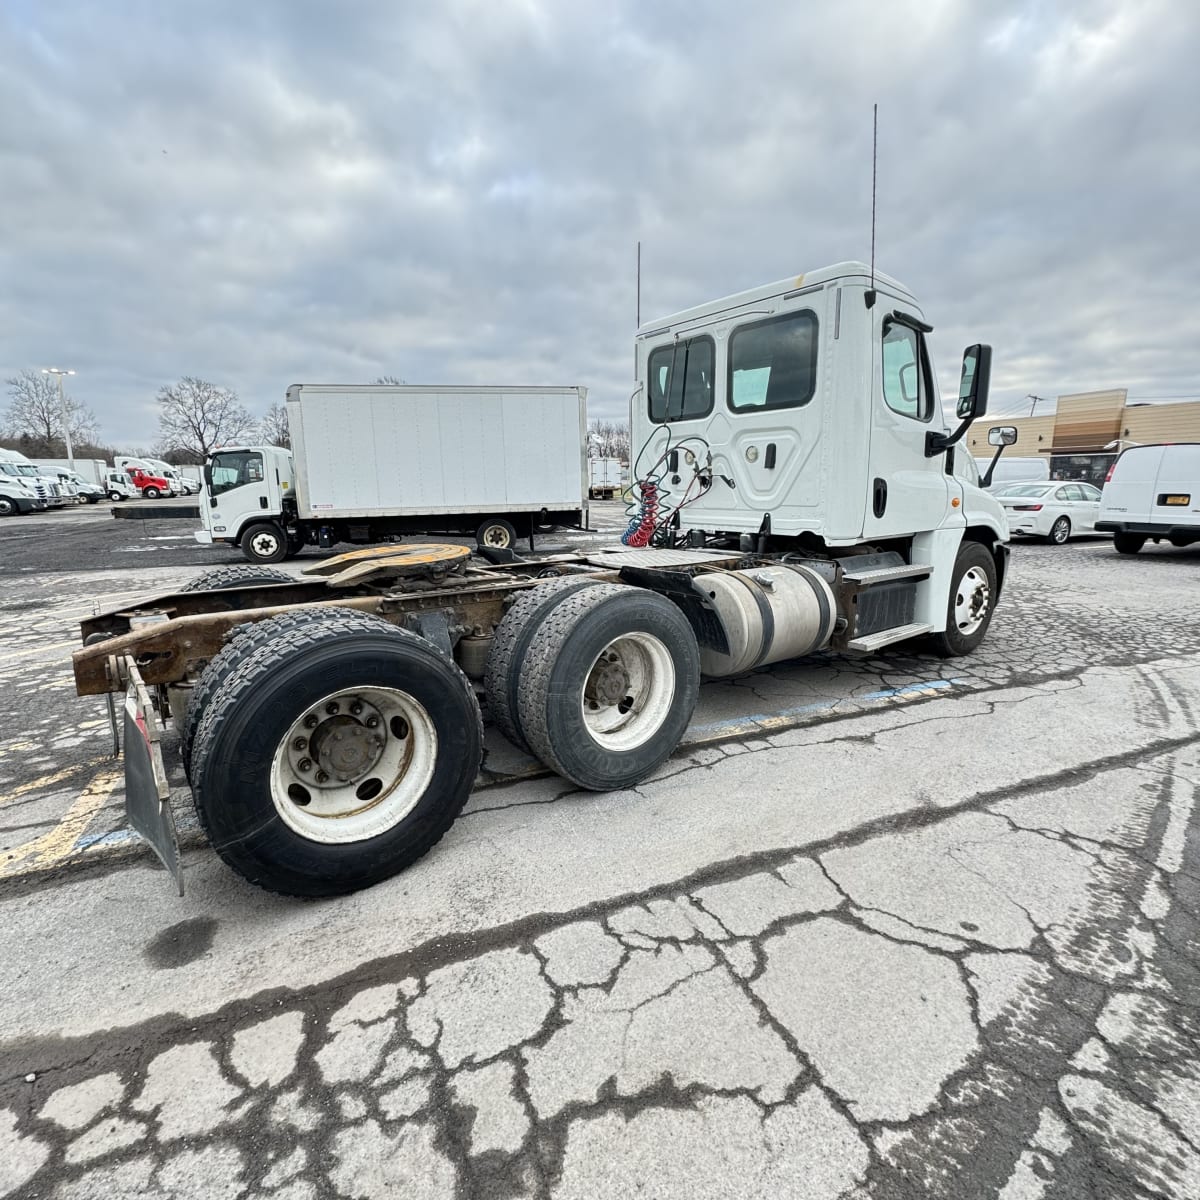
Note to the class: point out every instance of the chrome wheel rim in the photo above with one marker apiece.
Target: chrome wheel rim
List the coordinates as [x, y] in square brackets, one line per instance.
[354, 764]
[629, 692]
[971, 600]
[1060, 531]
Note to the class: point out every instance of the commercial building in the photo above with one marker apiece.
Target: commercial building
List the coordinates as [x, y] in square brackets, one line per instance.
[1087, 431]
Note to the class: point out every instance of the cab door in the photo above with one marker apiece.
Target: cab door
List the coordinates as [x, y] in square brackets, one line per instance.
[907, 492]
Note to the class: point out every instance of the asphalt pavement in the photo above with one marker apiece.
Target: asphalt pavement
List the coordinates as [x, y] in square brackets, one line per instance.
[896, 927]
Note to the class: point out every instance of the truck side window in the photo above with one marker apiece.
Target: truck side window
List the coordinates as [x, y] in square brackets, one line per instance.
[773, 363]
[235, 468]
[680, 380]
[905, 387]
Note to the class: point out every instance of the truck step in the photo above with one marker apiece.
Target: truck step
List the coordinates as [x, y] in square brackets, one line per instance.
[869, 575]
[869, 643]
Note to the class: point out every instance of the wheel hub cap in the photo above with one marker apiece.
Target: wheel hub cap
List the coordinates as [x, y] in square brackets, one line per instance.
[608, 682]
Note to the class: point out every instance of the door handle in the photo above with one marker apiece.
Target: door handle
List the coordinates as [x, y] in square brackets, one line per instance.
[769, 460]
[879, 497]
[262, 502]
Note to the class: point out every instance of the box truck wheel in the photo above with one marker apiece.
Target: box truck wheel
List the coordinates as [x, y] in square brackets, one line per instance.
[972, 601]
[264, 542]
[496, 533]
[1128, 543]
[609, 685]
[510, 647]
[333, 758]
[244, 640]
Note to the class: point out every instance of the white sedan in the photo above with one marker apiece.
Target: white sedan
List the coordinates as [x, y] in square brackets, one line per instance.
[1050, 510]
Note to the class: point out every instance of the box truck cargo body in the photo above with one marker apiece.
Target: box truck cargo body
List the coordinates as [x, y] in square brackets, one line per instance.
[369, 463]
[604, 477]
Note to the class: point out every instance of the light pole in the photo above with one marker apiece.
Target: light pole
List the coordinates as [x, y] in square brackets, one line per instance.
[62, 410]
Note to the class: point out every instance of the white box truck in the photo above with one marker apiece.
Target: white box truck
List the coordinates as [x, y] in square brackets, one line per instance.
[1152, 493]
[604, 478]
[374, 462]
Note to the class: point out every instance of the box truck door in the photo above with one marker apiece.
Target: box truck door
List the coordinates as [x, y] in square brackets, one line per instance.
[239, 491]
[906, 492]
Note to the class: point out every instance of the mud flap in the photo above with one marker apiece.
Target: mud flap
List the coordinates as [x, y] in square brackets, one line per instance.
[147, 793]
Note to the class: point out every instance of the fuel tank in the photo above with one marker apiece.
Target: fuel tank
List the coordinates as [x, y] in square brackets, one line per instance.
[769, 614]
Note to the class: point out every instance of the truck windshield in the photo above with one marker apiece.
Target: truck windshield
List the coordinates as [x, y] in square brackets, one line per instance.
[235, 468]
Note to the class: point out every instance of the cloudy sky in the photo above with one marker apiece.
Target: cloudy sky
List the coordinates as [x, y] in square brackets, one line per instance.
[267, 192]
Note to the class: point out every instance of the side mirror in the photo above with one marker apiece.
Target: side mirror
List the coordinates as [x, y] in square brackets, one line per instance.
[1002, 435]
[974, 381]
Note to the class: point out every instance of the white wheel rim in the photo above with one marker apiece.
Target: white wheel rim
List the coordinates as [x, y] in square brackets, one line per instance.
[496, 535]
[376, 748]
[629, 691]
[972, 600]
[264, 544]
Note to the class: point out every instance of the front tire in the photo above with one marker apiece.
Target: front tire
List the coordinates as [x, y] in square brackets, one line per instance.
[114, 496]
[151, 493]
[609, 685]
[496, 534]
[971, 604]
[392, 742]
[264, 542]
[1128, 543]
[7, 507]
[1060, 531]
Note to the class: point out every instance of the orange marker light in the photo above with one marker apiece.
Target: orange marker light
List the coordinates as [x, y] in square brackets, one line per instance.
[955, 502]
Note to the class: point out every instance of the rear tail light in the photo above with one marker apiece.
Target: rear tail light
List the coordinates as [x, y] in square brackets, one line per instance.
[1027, 508]
[1112, 467]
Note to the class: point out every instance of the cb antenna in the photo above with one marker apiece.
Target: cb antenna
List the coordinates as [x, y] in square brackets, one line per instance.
[870, 297]
[639, 305]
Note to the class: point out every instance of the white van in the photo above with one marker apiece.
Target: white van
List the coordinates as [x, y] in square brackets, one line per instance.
[1015, 470]
[1152, 492]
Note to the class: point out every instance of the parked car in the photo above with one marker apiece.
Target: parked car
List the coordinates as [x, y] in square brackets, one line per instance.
[1053, 511]
[1153, 492]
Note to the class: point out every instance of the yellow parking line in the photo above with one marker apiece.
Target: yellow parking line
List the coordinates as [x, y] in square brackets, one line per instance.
[47, 780]
[54, 846]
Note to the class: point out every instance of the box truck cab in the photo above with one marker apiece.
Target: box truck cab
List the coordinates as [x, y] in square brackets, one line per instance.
[43, 486]
[117, 485]
[84, 491]
[1152, 493]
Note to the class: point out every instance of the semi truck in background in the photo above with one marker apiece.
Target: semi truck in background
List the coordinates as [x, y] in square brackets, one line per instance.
[44, 487]
[371, 463]
[797, 491]
[177, 483]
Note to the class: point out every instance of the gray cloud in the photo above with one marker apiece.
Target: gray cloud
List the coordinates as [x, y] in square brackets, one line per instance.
[260, 194]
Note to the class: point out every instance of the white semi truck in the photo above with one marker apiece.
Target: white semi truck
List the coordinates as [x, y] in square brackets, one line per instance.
[797, 493]
[375, 462]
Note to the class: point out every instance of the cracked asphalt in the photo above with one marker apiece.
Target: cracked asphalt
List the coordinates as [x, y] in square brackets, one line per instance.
[883, 928]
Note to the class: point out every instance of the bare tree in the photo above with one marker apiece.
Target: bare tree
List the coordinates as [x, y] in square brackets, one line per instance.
[608, 439]
[390, 380]
[196, 416]
[273, 428]
[35, 415]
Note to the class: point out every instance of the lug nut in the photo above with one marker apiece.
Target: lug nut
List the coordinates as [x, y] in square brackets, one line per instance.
[356, 708]
[300, 743]
[305, 764]
[331, 707]
[310, 722]
[372, 722]
[322, 777]
[337, 737]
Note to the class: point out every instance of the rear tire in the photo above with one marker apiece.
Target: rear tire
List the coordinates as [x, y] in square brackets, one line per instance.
[1060, 531]
[972, 602]
[609, 685]
[236, 576]
[496, 534]
[243, 641]
[1128, 543]
[264, 542]
[510, 648]
[410, 766]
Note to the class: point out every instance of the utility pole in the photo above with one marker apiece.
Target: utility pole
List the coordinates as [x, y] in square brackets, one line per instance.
[1035, 400]
[58, 372]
